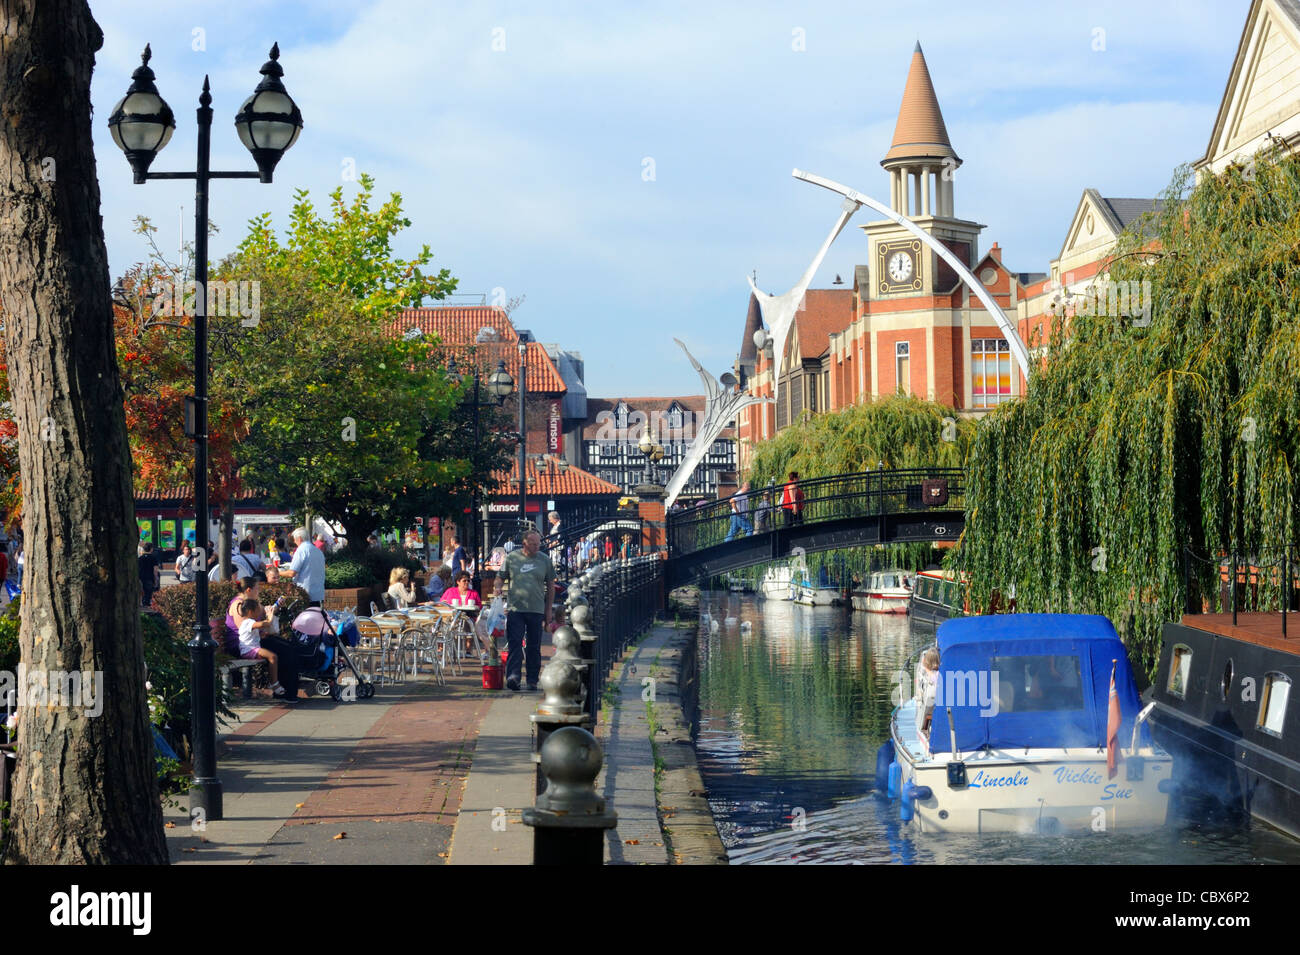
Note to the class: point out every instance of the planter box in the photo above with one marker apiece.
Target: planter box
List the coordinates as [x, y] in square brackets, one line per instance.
[348, 598]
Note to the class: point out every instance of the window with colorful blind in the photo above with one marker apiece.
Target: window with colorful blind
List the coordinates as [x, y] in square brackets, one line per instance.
[990, 367]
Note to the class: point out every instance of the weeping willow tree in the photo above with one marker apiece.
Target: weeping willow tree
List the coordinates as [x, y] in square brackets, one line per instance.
[1147, 450]
[901, 431]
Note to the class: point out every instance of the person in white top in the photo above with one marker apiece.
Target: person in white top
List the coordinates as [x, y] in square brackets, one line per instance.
[400, 587]
[307, 568]
[250, 641]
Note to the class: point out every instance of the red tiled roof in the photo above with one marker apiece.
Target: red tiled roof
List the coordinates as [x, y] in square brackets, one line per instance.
[457, 328]
[548, 482]
[457, 325]
[825, 310]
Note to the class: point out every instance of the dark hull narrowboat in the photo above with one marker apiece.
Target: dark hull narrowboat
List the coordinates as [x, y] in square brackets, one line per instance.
[936, 597]
[1222, 695]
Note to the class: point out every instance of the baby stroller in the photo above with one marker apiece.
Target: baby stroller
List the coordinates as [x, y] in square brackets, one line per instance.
[322, 656]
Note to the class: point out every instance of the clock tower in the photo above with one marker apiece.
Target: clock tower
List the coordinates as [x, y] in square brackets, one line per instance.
[922, 165]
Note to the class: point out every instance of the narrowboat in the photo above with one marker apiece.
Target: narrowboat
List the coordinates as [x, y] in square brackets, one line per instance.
[1221, 699]
[885, 591]
[1019, 738]
[937, 595]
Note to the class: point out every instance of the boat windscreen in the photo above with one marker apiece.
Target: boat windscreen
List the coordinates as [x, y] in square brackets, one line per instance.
[1031, 680]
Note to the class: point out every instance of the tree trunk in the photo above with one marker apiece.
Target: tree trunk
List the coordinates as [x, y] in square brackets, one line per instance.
[86, 790]
[226, 527]
[357, 528]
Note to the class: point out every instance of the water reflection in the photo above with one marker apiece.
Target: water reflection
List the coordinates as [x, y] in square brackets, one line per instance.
[792, 710]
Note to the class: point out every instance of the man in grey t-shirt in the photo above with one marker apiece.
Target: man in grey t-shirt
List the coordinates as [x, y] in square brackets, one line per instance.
[529, 579]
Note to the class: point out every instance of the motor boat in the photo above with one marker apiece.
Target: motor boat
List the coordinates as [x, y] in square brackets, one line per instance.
[886, 591]
[1019, 738]
[775, 584]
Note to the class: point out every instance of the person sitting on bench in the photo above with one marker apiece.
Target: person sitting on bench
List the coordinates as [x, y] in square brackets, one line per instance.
[250, 643]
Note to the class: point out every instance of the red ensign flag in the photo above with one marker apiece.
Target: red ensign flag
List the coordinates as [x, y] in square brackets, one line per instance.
[1112, 727]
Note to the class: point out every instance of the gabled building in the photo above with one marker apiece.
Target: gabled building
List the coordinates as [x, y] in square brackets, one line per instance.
[611, 444]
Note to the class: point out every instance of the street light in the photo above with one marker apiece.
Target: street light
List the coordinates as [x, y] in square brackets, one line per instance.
[653, 452]
[523, 439]
[500, 386]
[142, 124]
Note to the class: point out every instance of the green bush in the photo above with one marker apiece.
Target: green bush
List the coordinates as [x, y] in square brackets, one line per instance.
[9, 637]
[343, 572]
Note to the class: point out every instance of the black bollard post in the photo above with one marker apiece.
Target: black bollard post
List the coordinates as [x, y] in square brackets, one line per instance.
[570, 819]
[562, 684]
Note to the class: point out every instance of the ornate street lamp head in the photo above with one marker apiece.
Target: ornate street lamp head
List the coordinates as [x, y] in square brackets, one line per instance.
[141, 123]
[269, 121]
[501, 384]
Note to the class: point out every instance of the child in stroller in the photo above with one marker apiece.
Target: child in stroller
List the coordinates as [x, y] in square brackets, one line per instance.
[323, 657]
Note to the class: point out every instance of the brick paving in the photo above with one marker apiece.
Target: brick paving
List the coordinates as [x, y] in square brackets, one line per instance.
[410, 767]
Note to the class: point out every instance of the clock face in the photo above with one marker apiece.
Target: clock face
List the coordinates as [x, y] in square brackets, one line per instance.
[900, 266]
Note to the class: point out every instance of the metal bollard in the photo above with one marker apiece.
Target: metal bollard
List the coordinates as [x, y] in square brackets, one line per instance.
[562, 684]
[570, 818]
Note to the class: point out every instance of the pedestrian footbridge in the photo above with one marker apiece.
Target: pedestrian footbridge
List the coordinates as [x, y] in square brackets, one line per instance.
[844, 511]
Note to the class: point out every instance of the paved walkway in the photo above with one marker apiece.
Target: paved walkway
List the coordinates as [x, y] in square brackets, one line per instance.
[378, 780]
[420, 774]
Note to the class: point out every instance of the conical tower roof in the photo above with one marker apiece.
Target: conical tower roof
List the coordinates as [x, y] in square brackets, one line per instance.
[920, 133]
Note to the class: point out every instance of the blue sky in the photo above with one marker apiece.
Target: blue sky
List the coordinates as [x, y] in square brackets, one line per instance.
[524, 168]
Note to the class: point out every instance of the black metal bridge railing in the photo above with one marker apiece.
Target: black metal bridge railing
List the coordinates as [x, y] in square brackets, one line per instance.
[864, 495]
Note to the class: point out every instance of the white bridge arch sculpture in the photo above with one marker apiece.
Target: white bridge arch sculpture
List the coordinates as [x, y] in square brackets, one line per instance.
[722, 402]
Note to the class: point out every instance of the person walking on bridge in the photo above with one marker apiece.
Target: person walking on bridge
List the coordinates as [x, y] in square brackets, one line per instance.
[740, 514]
[529, 578]
[792, 500]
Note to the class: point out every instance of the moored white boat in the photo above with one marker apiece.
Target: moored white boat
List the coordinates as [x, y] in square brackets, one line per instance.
[1018, 741]
[811, 595]
[775, 584]
[884, 592]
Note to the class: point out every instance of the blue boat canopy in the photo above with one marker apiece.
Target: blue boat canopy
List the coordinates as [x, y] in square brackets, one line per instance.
[1031, 680]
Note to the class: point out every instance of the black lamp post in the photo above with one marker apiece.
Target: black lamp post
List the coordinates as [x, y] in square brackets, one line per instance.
[523, 441]
[141, 123]
[500, 386]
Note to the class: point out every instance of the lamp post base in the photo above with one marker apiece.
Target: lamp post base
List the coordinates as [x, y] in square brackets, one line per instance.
[206, 799]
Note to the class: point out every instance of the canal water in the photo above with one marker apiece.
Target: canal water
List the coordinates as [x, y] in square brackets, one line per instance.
[792, 710]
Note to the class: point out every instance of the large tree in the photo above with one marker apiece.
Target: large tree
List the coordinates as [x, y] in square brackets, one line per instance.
[86, 790]
[346, 419]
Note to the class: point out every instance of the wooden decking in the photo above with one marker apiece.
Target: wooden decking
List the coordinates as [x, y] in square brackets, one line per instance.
[1262, 629]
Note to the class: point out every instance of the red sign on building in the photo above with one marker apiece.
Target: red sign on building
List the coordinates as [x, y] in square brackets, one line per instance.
[555, 435]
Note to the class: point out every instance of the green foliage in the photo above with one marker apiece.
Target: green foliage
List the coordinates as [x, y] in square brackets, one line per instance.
[1149, 442]
[344, 419]
[9, 650]
[903, 431]
[342, 572]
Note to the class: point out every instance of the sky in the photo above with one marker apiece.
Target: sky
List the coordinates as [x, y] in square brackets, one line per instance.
[624, 167]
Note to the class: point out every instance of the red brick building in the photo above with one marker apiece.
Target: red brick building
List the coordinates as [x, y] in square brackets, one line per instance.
[909, 323]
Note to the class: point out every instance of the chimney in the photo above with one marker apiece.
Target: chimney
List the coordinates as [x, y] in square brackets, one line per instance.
[996, 253]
